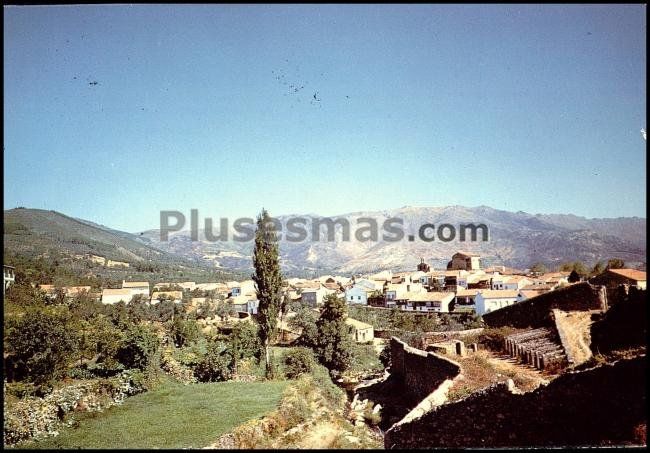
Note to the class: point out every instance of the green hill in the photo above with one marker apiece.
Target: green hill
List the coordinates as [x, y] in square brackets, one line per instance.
[36, 231]
[37, 234]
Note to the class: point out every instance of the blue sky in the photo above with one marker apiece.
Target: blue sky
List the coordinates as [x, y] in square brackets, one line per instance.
[532, 108]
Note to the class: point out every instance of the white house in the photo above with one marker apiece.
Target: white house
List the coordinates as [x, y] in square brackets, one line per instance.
[361, 331]
[247, 286]
[137, 287]
[488, 300]
[382, 276]
[369, 284]
[532, 291]
[218, 287]
[239, 303]
[252, 305]
[437, 302]
[511, 282]
[433, 279]
[398, 291]
[113, 296]
[9, 276]
[466, 299]
[314, 297]
[358, 295]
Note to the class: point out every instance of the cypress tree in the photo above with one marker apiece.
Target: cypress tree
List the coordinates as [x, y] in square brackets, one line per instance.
[334, 343]
[268, 282]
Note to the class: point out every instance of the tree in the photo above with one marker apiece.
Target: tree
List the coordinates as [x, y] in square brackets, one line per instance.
[384, 356]
[334, 342]
[578, 266]
[268, 282]
[581, 269]
[139, 309]
[244, 342]
[598, 268]
[59, 295]
[615, 263]
[538, 268]
[41, 344]
[22, 293]
[298, 361]
[305, 321]
[224, 309]
[184, 332]
[217, 365]
[140, 347]
[285, 305]
[574, 277]
[205, 310]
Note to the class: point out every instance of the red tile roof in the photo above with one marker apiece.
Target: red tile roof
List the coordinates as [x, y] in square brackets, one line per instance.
[632, 274]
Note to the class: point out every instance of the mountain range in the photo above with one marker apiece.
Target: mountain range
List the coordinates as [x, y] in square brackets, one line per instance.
[514, 239]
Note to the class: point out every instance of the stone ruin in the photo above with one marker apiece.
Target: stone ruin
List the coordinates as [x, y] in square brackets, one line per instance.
[538, 347]
[451, 347]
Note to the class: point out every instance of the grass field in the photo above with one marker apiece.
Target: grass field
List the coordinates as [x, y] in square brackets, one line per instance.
[171, 416]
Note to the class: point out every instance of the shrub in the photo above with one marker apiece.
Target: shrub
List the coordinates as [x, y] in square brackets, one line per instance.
[21, 389]
[185, 332]
[244, 341]
[297, 362]
[140, 348]
[494, 338]
[371, 417]
[217, 365]
[364, 359]
[41, 345]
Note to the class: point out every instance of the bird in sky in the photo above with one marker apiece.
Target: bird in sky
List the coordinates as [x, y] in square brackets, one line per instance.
[643, 133]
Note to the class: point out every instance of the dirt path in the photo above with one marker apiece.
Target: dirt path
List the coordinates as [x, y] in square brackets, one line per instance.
[526, 377]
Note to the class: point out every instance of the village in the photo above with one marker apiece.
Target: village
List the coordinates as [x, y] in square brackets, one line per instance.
[534, 329]
[463, 287]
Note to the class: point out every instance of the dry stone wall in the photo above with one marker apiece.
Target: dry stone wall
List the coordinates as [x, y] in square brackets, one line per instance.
[599, 406]
[537, 311]
[421, 372]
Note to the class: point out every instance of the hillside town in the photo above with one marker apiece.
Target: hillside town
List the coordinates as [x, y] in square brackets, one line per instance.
[463, 287]
[317, 226]
[514, 331]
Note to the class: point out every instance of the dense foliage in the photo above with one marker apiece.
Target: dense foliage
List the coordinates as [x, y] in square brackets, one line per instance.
[298, 361]
[140, 347]
[334, 343]
[41, 344]
[218, 364]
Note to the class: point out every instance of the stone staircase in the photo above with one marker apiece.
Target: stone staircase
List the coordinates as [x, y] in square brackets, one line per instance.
[540, 348]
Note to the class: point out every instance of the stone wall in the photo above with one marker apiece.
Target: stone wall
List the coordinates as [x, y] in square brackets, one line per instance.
[421, 372]
[536, 312]
[624, 325]
[41, 417]
[599, 406]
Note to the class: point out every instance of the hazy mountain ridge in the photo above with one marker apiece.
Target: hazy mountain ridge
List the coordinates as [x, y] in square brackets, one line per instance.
[515, 239]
